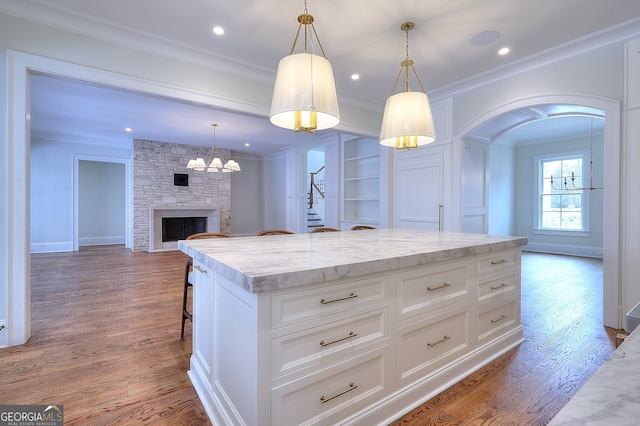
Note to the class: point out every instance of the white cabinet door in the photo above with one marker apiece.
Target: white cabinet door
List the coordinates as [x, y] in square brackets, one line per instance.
[474, 188]
[203, 318]
[421, 188]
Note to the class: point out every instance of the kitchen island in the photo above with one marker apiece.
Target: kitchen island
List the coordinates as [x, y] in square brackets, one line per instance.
[346, 327]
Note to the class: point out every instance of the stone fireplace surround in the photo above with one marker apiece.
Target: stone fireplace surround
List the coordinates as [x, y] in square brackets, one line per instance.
[154, 165]
[156, 213]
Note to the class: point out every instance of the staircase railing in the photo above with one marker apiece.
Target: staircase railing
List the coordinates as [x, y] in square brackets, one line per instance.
[316, 186]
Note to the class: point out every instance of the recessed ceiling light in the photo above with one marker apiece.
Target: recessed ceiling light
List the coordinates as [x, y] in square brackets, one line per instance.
[128, 129]
[503, 51]
[218, 30]
[355, 76]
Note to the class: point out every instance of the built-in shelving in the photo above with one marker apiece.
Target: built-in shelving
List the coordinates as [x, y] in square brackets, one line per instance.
[361, 182]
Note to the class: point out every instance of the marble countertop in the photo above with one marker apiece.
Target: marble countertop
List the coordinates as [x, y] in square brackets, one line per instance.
[612, 395]
[274, 262]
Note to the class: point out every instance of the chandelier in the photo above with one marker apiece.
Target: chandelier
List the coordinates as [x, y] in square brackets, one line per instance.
[215, 161]
[304, 94]
[569, 183]
[407, 121]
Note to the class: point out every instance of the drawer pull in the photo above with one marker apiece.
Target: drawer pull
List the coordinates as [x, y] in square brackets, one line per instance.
[497, 262]
[325, 399]
[351, 334]
[350, 296]
[498, 320]
[204, 271]
[445, 285]
[499, 287]
[444, 339]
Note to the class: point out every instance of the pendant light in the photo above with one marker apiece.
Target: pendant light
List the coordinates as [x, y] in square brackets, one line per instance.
[407, 121]
[569, 183]
[304, 94]
[215, 162]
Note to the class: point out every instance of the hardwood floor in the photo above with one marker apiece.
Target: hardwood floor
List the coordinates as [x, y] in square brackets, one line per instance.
[106, 344]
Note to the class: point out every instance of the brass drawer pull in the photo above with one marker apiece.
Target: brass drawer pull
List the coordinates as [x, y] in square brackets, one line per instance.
[498, 320]
[350, 296]
[204, 271]
[351, 334]
[444, 339]
[445, 285]
[499, 287]
[497, 262]
[325, 399]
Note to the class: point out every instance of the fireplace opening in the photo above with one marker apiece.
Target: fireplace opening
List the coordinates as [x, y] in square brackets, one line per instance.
[179, 228]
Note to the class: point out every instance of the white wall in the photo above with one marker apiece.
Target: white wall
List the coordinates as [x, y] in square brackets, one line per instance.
[101, 203]
[51, 191]
[503, 181]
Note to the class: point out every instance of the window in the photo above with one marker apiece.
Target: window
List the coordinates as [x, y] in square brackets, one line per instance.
[559, 208]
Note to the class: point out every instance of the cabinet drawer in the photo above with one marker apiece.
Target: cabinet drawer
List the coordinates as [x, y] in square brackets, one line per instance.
[330, 395]
[294, 307]
[496, 319]
[496, 262]
[498, 286]
[429, 343]
[422, 290]
[311, 347]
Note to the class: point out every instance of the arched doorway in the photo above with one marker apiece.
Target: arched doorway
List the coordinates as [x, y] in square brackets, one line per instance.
[471, 159]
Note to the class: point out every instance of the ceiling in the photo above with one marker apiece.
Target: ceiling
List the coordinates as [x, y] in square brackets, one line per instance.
[453, 41]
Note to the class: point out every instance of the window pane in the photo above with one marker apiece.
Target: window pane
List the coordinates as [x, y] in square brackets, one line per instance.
[552, 168]
[560, 207]
[551, 219]
[572, 219]
[572, 201]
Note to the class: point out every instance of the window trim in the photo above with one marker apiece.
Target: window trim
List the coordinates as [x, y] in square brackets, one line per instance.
[583, 154]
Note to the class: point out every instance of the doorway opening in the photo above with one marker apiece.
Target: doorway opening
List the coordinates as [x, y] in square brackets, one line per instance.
[473, 160]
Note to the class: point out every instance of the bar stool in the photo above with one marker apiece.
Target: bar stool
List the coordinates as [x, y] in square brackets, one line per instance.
[188, 274]
[361, 227]
[274, 232]
[325, 229]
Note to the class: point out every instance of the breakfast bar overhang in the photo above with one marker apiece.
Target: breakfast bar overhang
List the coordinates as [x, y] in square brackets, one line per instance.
[354, 327]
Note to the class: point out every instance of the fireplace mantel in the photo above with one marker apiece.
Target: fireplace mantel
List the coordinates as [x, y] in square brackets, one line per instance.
[156, 213]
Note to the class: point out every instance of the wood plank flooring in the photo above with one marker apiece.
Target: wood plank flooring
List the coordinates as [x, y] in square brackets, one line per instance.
[106, 344]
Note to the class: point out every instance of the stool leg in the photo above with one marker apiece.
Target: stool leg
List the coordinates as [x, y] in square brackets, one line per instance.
[186, 315]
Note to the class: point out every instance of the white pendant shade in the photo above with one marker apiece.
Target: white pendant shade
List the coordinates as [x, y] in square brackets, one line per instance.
[200, 165]
[407, 121]
[217, 163]
[304, 95]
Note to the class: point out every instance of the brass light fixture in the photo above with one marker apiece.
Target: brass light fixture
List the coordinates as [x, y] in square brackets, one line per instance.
[304, 95]
[407, 121]
[215, 161]
[569, 183]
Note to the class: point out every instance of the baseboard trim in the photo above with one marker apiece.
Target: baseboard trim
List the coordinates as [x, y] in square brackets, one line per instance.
[569, 250]
[51, 247]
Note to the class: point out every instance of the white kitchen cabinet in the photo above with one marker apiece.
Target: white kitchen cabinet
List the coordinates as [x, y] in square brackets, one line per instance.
[361, 350]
